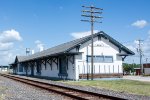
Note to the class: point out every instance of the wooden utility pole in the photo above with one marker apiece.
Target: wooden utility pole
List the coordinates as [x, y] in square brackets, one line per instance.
[91, 13]
[139, 50]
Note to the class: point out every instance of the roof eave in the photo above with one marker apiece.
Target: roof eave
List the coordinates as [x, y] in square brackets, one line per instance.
[53, 55]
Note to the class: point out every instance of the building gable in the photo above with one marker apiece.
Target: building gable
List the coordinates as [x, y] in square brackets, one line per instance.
[75, 44]
[103, 40]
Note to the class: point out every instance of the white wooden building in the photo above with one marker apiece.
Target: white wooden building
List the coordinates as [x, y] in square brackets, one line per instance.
[72, 59]
[146, 68]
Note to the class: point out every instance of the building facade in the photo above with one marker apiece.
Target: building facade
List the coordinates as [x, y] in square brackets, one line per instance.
[146, 68]
[72, 60]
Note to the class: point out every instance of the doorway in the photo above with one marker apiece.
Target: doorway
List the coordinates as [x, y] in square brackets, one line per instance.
[62, 65]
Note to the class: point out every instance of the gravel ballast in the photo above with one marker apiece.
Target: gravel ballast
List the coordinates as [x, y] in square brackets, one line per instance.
[12, 90]
[86, 88]
[96, 90]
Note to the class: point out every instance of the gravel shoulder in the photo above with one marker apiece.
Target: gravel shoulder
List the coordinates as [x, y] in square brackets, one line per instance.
[12, 90]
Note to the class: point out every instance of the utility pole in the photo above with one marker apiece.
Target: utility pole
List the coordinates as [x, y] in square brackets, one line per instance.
[141, 54]
[91, 13]
[146, 62]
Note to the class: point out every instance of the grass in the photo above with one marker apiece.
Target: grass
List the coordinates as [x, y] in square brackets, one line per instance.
[129, 86]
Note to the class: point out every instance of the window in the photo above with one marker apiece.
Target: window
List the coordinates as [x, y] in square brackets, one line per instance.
[108, 59]
[99, 58]
[102, 59]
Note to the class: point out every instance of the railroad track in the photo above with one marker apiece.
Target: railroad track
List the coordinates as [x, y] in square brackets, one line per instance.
[67, 91]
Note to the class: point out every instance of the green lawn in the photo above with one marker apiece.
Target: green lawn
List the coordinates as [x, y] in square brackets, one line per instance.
[129, 86]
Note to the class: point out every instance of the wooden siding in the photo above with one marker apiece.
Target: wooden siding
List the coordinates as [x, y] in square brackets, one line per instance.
[115, 75]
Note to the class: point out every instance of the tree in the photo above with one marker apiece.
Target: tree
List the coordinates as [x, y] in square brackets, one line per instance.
[127, 68]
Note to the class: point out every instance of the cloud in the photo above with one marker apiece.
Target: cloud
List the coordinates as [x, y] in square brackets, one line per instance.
[149, 32]
[77, 35]
[39, 45]
[6, 46]
[6, 57]
[7, 40]
[10, 36]
[145, 45]
[133, 47]
[140, 23]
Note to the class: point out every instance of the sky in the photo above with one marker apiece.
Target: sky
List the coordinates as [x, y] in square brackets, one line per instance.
[41, 24]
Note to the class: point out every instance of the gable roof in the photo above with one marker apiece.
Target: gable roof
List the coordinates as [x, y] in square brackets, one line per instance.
[66, 47]
[116, 43]
[19, 59]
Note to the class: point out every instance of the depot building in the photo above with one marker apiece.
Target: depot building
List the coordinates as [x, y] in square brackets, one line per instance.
[72, 60]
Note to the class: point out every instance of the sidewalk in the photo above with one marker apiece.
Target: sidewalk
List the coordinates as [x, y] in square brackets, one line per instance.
[138, 78]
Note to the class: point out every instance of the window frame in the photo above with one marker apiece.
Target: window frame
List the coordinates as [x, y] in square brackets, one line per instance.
[101, 57]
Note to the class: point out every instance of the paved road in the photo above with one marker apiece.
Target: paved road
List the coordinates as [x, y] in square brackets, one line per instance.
[138, 78]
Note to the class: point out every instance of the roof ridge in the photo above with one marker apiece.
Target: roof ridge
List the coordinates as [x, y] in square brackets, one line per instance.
[64, 43]
[67, 46]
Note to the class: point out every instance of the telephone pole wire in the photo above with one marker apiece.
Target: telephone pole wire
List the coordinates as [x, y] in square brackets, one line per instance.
[91, 13]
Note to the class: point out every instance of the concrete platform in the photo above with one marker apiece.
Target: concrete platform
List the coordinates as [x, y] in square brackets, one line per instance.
[138, 78]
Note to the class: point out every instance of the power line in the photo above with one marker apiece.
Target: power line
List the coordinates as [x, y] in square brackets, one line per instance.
[91, 13]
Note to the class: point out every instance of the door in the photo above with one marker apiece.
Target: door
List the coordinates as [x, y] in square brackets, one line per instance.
[62, 65]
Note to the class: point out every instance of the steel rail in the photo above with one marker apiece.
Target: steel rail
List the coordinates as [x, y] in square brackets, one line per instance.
[67, 91]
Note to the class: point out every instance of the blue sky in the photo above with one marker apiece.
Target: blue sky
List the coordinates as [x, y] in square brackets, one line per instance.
[45, 23]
